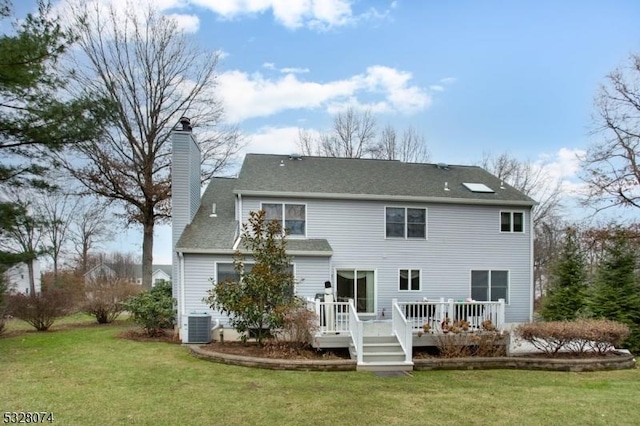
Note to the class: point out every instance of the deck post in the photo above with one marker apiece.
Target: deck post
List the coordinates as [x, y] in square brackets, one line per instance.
[451, 310]
[500, 321]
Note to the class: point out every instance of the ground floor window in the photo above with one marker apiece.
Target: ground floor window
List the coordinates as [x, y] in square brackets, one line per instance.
[357, 285]
[490, 285]
[226, 271]
[409, 279]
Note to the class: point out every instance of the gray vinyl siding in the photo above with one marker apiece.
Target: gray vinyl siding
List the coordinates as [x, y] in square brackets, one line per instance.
[460, 238]
[310, 273]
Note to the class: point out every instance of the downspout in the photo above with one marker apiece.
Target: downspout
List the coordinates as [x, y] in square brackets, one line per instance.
[531, 265]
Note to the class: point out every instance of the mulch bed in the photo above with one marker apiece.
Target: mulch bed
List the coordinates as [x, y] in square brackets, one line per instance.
[275, 350]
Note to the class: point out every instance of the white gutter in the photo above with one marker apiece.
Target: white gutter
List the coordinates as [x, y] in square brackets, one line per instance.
[233, 250]
[376, 197]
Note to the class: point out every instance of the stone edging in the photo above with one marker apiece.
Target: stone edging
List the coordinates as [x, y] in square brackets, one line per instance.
[619, 362]
[275, 364]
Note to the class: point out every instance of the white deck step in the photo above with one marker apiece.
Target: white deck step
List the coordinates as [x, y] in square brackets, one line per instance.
[381, 352]
[385, 366]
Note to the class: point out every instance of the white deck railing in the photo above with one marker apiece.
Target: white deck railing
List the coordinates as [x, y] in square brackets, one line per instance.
[332, 317]
[440, 313]
[357, 331]
[402, 329]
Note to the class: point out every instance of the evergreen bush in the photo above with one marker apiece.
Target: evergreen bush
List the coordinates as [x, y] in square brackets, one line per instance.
[154, 310]
[615, 294]
[567, 291]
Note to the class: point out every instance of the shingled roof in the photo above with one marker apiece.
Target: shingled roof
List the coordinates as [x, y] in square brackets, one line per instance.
[264, 174]
[322, 177]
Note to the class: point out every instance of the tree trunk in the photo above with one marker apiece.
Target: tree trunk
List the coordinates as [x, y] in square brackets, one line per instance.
[147, 251]
[32, 281]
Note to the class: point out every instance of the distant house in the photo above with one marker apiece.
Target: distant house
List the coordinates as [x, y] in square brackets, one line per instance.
[102, 270]
[393, 239]
[132, 274]
[18, 278]
[159, 273]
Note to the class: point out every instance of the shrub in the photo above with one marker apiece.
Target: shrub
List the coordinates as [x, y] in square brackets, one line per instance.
[299, 326]
[42, 309]
[71, 283]
[154, 309]
[105, 296]
[580, 337]
[258, 299]
[461, 341]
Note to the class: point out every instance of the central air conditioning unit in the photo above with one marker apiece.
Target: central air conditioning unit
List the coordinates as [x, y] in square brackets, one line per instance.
[198, 328]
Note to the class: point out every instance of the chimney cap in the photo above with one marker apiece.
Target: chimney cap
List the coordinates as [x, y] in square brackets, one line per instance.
[186, 124]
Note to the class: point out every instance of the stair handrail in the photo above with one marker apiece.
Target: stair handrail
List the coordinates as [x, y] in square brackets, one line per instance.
[356, 329]
[402, 329]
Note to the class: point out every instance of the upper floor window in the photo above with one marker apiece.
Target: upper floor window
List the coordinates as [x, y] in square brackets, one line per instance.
[294, 216]
[405, 222]
[490, 285]
[511, 222]
[409, 279]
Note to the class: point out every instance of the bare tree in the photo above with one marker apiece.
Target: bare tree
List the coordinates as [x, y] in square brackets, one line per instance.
[90, 227]
[546, 246]
[411, 148]
[532, 179]
[58, 210]
[152, 74]
[352, 136]
[611, 168]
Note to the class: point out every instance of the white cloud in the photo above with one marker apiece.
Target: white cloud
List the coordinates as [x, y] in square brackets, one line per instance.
[273, 140]
[285, 70]
[189, 23]
[186, 23]
[436, 88]
[448, 80]
[291, 70]
[260, 97]
[290, 13]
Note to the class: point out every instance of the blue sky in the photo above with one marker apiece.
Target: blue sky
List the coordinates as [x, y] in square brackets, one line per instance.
[473, 77]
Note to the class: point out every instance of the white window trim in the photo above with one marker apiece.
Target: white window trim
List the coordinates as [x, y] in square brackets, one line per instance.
[283, 203]
[334, 286]
[406, 223]
[508, 301]
[217, 262]
[511, 231]
[409, 290]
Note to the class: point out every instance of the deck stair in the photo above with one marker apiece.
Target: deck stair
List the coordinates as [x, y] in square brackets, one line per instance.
[381, 349]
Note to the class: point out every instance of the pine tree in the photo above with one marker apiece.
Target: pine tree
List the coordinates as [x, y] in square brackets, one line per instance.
[616, 291]
[568, 282]
[36, 116]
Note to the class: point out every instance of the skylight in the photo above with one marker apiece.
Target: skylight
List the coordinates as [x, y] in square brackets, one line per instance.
[478, 187]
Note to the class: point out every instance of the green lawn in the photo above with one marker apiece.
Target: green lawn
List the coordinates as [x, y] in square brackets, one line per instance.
[86, 375]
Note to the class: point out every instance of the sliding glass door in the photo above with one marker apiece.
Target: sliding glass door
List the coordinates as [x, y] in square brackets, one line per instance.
[357, 285]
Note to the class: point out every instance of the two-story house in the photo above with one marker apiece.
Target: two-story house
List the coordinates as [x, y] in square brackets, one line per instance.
[378, 230]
